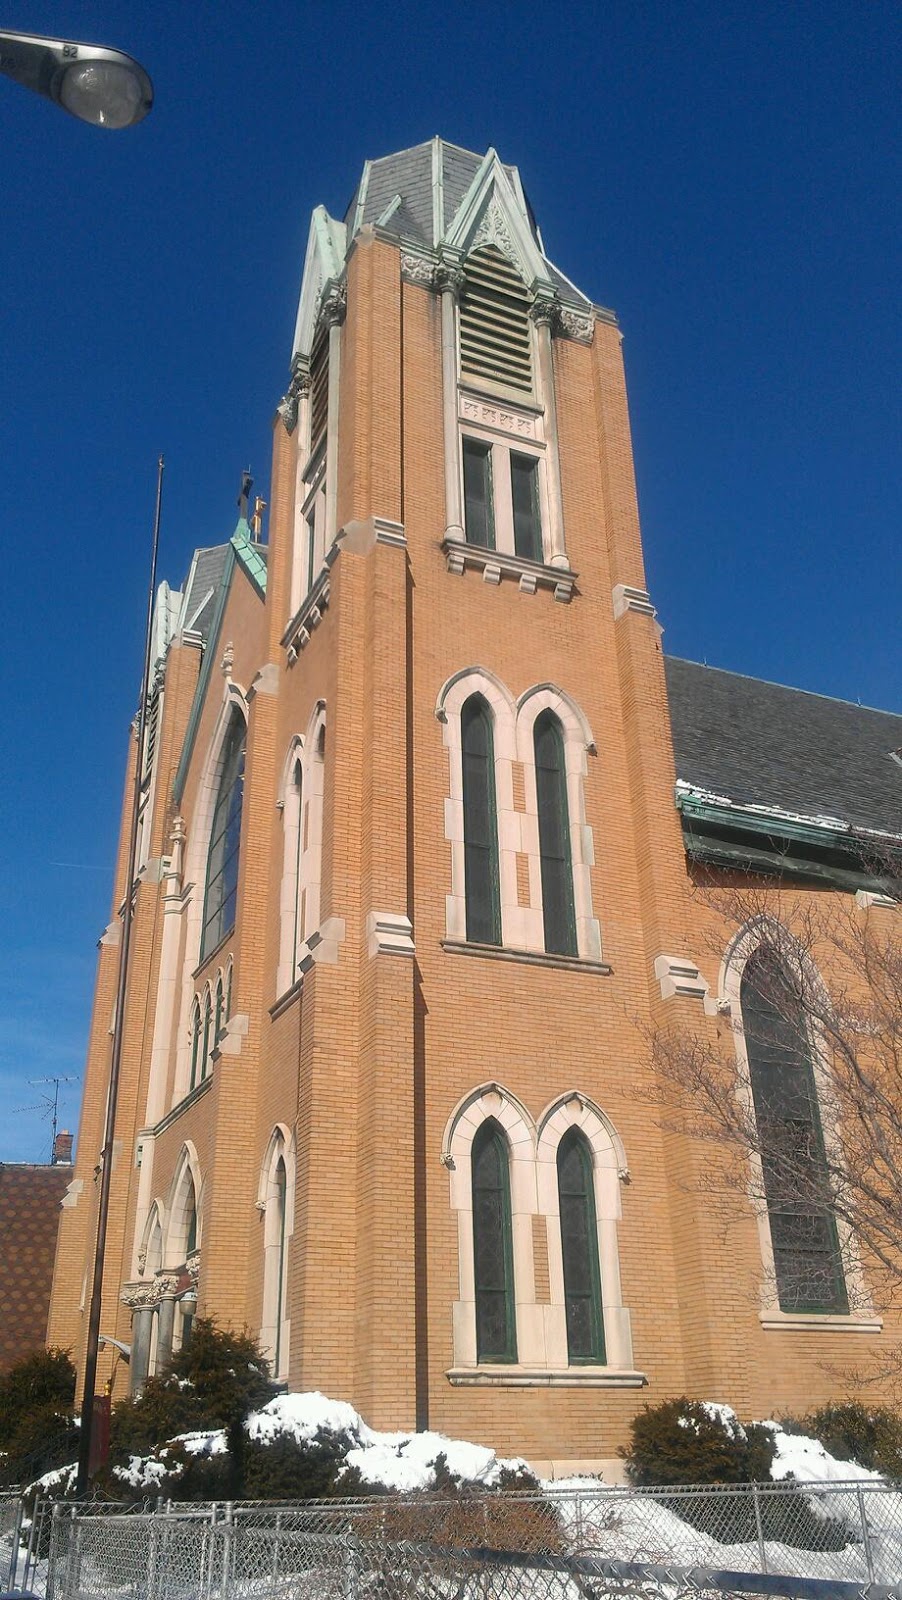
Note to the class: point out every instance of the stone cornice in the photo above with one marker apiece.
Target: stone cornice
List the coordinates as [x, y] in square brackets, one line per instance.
[497, 564]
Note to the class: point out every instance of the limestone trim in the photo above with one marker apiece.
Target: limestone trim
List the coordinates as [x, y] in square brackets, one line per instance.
[522, 926]
[389, 933]
[626, 598]
[491, 1100]
[516, 1376]
[610, 1171]
[530, 958]
[497, 564]
[234, 701]
[301, 803]
[183, 1105]
[680, 978]
[186, 1185]
[310, 614]
[275, 1324]
[767, 930]
[150, 1254]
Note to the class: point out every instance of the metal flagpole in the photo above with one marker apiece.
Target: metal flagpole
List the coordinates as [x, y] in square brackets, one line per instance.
[106, 1158]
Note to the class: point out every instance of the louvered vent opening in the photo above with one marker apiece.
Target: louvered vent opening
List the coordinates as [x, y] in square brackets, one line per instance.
[319, 390]
[151, 725]
[494, 322]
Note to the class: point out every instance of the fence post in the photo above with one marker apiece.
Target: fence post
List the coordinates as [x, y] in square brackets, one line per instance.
[228, 1537]
[762, 1551]
[153, 1560]
[275, 1549]
[868, 1552]
[14, 1553]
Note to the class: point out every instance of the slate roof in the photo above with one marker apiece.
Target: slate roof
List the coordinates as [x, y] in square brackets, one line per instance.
[762, 744]
[30, 1199]
[408, 173]
[206, 576]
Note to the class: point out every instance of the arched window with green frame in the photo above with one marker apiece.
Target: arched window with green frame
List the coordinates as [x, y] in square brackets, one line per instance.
[481, 875]
[554, 837]
[493, 1261]
[807, 1257]
[579, 1250]
[195, 1043]
[219, 1023]
[221, 891]
[208, 1029]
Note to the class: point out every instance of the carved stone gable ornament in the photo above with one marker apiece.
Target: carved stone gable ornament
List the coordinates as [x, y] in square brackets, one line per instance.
[493, 229]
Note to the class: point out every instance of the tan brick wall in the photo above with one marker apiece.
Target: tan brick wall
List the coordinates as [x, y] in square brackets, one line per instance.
[367, 1059]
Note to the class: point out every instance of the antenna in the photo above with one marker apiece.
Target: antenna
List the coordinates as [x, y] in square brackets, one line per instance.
[50, 1103]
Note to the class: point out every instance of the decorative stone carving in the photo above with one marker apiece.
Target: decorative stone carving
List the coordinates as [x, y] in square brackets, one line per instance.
[449, 278]
[140, 1296]
[192, 1266]
[334, 304]
[576, 324]
[297, 388]
[142, 1261]
[169, 1284]
[417, 269]
[545, 313]
[486, 415]
[493, 229]
[228, 659]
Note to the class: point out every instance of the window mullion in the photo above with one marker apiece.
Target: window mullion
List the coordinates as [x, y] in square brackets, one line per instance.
[504, 503]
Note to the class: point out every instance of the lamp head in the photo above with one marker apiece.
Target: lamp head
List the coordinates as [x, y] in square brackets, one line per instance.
[104, 87]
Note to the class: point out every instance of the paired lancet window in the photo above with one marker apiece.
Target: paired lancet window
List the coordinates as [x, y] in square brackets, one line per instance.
[807, 1259]
[538, 1206]
[209, 1015]
[301, 802]
[221, 897]
[516, 880]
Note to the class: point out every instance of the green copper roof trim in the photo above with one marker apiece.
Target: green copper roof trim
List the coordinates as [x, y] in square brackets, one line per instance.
[731, 836]
[200, 693]
[249, 556]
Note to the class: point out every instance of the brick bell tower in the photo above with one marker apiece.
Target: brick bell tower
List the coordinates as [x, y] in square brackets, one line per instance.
[417, 855]
[456, 573]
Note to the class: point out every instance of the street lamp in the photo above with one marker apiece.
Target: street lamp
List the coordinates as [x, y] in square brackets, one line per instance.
[98, 85]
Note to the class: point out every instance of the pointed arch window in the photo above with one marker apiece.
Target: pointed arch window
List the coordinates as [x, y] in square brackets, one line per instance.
[219, 1023]
[196, 1058]
[280, 1190]
[190, 1220]
[225, 838]
[483, 899]
[807, 1258]
[579, 1250]
[554, 837]
[496, 1332]
[208, 1029]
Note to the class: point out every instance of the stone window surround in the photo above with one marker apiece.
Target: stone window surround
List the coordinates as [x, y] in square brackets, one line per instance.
[503, 443]
[300, 876]
[187, 1174]
[771, 1316]
[518, 831]
[541, 1328]
[281, 1146]
[234, 698]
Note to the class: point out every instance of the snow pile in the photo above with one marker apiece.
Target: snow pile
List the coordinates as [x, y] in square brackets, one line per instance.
[807, 1461]
[400, 1461]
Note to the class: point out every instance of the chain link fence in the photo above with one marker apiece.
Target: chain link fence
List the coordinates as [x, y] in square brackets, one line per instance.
[823, 1542]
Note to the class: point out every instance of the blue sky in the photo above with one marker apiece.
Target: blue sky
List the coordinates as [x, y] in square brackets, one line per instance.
[725, 176]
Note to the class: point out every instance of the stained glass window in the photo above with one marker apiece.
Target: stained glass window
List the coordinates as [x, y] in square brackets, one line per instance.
[807, 1258]
[579, 1248]
[480, 826]
[554, 837]
[225, 839]
[496, 1334]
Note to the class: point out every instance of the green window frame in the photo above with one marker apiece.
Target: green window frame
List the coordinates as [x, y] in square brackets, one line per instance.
[221, 893]
[281, 1187]
[579, 1250]
[807, 1257]
[558, 910]
[526, 507]
[481, 873]
[493, 1260]
[195, 1041]
[220, 1012]
[190, 1221]
[208, 1028]
[479, 513]
[298, 933]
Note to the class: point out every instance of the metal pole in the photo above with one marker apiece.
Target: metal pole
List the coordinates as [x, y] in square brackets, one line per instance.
[106, 1159]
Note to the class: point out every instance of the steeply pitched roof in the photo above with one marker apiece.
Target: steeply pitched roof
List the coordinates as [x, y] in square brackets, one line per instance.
[418, 175]
[761, 744]
[202, 588]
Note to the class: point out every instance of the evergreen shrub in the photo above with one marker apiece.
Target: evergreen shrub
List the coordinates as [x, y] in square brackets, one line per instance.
[37, 1428]
[871, 1436]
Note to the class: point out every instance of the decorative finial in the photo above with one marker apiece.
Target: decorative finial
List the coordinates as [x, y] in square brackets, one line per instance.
[257, 518]
[247, 483]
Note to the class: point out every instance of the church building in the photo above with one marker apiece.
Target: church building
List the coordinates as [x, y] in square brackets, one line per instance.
[425, 812]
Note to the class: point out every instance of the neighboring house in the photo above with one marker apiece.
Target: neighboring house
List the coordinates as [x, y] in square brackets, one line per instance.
[411, 871]
[30, 1199]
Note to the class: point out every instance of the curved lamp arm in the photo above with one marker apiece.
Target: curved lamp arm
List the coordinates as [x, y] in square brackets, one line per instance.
[101, 86]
